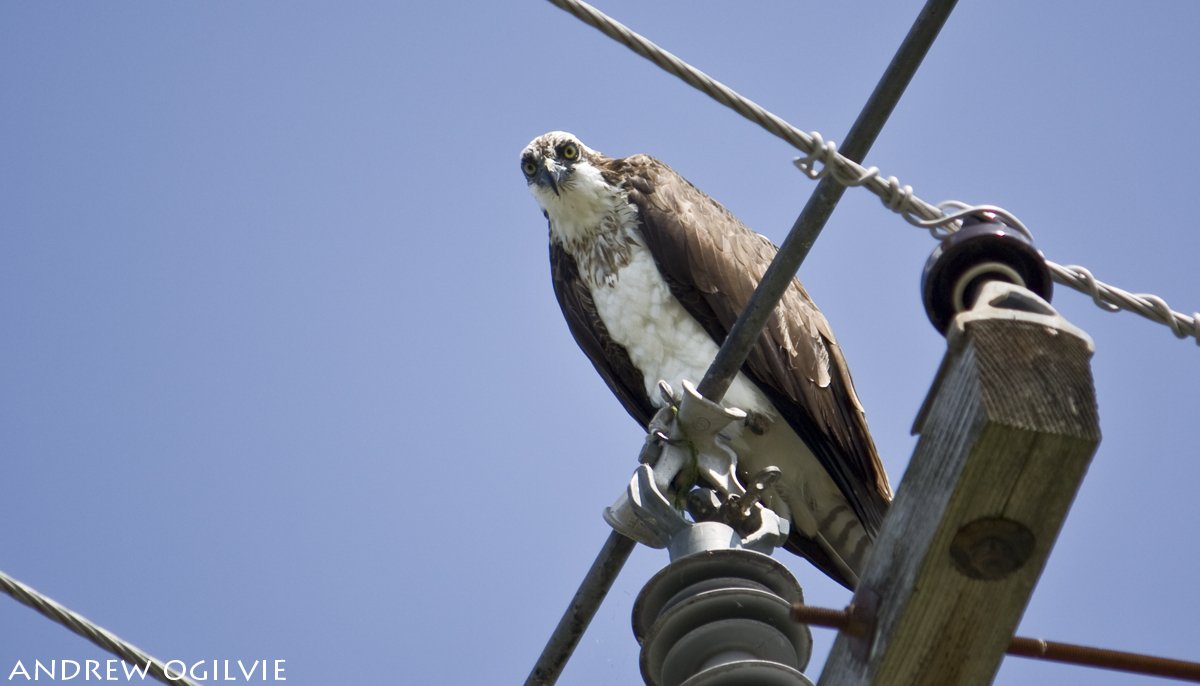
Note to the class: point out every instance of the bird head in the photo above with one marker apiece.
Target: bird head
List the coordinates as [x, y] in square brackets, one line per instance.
[557, 163]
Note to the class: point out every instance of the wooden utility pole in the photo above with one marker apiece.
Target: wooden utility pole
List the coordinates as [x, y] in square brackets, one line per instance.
[1007, 433]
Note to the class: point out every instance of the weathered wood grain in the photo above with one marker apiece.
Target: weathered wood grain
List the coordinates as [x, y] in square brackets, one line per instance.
[1006, 441]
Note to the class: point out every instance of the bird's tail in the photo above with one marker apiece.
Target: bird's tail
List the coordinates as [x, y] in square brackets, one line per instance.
[839, 548]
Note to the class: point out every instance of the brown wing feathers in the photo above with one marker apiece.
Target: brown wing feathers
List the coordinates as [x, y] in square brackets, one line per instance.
[713, 263]
[610, 358]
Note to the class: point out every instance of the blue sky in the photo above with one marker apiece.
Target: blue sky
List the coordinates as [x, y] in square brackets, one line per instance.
[282, 375]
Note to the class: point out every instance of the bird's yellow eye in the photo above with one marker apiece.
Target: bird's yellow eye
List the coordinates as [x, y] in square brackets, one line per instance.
[528, 167]
[570, 152]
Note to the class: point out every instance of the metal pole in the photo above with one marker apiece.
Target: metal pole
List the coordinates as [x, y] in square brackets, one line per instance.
[583, 607]
[800, 239]
[749, 325]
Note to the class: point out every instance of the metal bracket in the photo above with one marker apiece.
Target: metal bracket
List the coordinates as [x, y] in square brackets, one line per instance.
[1002, 300]
[693, 451]
[864, 622]
[998, 300]
[685, 447]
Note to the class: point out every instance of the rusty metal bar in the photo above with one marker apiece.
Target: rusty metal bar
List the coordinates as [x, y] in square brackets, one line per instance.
[1036, 648]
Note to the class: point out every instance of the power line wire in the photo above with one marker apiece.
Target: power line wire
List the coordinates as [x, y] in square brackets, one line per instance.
[898, 198]
[82, 626]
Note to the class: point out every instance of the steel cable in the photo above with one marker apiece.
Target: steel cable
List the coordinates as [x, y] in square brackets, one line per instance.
[80, 625]
[895, 196]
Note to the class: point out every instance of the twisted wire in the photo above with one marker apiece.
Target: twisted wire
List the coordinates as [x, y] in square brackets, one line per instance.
[1112, 299]
[80, 625]
[821, 159]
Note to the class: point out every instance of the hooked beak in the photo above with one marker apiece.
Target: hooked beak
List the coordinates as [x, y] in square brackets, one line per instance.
[548, 178]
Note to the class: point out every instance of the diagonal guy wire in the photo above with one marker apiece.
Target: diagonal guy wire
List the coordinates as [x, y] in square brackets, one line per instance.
[899, 199]
[80, 625]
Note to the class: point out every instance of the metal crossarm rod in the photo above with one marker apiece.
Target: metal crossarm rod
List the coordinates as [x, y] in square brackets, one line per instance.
[749, 325]
[583, 607]
[800, 239]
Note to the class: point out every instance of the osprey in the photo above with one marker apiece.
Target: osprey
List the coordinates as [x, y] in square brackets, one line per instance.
[651, 274]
